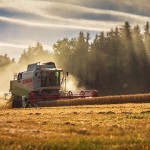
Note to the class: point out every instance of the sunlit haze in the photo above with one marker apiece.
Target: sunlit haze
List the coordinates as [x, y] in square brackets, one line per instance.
[23, 23]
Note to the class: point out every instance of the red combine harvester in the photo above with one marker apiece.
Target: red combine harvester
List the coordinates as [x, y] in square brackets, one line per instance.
[40, 84]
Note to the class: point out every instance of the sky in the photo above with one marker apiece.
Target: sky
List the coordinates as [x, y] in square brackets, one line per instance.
[23, 23]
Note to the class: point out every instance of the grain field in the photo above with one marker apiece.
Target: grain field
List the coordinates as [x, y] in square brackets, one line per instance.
[122, 126]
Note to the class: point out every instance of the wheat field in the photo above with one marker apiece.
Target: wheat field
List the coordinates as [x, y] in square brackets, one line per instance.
[115, 126]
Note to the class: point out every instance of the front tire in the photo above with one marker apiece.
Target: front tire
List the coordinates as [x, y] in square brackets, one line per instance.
[17, 101]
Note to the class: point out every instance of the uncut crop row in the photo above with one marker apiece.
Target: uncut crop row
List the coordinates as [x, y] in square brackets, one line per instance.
[138, 98]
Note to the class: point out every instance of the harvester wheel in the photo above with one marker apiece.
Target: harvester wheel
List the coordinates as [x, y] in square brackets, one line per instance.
[17, 101]
[82, 93]
[70, 94]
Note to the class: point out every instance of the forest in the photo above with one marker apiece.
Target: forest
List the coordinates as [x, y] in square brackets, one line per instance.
[114, 62]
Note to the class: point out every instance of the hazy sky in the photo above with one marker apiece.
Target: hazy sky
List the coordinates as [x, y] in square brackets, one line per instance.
[24, 22]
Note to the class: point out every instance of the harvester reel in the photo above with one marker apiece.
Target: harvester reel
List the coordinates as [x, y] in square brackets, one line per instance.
[70, 94]
[82, 93]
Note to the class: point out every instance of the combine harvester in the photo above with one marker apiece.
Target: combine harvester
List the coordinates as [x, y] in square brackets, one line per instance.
[40, 84]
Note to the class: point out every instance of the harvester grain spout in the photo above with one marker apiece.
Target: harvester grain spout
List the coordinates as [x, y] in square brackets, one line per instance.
[42, 83]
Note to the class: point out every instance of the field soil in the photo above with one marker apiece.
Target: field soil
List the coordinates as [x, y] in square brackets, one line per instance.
[115, 126]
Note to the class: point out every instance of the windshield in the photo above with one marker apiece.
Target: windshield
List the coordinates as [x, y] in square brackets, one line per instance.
[50, 78]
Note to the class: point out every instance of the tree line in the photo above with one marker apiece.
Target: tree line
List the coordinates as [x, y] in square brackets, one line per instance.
[115, 62]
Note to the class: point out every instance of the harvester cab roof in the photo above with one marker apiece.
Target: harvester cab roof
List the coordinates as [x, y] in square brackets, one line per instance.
[38, 66]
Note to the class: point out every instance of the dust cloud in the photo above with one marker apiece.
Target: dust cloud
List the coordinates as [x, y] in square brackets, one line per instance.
[5, 102]
[7, 74]
[71, 83]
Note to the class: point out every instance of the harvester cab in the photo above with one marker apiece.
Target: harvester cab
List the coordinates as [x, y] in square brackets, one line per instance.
[42, 83]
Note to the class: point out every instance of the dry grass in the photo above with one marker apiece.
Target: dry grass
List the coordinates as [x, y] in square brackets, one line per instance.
[123, 126]
[138, 98]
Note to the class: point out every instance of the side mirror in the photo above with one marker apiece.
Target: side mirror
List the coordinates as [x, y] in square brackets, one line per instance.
[67, 73]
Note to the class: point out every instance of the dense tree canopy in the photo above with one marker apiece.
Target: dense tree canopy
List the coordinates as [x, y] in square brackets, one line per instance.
[5, 60]
[116, 62]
